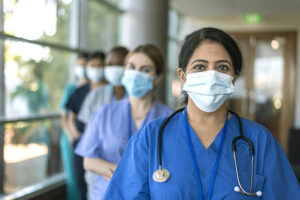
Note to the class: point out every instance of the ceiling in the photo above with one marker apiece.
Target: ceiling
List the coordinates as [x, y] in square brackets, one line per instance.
[219, 8]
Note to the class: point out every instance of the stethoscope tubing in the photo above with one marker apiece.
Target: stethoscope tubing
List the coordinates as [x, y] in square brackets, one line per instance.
[241, 137]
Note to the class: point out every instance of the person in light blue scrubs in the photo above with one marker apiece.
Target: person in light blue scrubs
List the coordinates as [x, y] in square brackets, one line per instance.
[111, 127]
[196, 143]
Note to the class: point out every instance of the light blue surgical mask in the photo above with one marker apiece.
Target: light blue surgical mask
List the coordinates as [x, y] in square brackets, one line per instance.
[209, 89]
[137, 84]
[95, 74]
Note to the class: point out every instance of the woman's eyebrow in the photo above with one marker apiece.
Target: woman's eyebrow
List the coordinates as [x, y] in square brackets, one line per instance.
[199, 60]
[147, 66]
[221, 61]
[130, 63]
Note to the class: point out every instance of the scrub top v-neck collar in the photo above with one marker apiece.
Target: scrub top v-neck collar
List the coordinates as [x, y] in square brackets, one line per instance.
[131, 125]
[192, 149]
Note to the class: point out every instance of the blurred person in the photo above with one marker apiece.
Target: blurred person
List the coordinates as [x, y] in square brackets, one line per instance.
[111, 126]
[95, 74]
[113, 72]
[66, 136]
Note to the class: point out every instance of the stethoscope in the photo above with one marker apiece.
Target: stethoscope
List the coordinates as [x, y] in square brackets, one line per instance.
[162, 175]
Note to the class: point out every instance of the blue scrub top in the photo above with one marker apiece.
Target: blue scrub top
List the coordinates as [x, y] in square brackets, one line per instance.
[273, 174]
[106, 135]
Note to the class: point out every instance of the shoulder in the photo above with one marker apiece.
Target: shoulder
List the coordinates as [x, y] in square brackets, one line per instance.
[163, 109]
[70, 87]
[255, 129]
[81, 89]
[112, 107]
[150, 131]
[263, 140]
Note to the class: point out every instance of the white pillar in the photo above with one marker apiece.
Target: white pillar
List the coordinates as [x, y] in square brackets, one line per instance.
[145, 21]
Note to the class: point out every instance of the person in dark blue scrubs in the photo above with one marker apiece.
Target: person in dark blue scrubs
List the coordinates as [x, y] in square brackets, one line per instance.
[196, 144]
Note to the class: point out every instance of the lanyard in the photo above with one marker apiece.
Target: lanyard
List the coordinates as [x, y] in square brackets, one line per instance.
[214, 172]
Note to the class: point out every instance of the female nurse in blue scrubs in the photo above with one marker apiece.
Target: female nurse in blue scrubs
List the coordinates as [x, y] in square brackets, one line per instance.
[111, 127]
[197, 159]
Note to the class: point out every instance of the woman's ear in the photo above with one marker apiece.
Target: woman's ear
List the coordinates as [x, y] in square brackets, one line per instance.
[181, 76]
[158, 79]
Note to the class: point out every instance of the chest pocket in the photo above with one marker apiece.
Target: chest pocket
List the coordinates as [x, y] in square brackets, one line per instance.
[258, 185]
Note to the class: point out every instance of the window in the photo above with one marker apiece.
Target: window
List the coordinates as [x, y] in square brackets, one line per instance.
[40, 41]
[102, 26]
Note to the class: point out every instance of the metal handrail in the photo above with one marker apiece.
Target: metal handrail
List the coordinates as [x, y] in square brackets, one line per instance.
[37, 117]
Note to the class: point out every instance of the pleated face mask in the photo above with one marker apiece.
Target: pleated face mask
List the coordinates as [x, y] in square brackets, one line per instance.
[137, 84]
[113, 74]
[209, 89]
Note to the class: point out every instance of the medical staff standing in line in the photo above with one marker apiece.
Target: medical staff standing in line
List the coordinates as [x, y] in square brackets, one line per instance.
[103, 94]
[205, 151]
[95, 73]
[112, 126]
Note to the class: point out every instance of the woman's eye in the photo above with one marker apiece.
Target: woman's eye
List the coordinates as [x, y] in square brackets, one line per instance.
[222, 68]
[145, 70]
[199, 67]
[130, 67]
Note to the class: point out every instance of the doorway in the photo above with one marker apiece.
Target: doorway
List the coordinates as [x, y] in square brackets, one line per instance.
[265, 91]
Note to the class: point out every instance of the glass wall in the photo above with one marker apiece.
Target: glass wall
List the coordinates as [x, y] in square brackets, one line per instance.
[103, 26]
[44, 20]
[39, 55]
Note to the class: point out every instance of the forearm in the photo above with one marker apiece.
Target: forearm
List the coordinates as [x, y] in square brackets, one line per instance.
[99, 166]
[65, 125]
[72, 126]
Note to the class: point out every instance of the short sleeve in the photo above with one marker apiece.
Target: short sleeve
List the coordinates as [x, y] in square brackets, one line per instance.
[281, 182]
[85, 112]
[71, 103]
[130, 180]
[69, 89]
[88, 145]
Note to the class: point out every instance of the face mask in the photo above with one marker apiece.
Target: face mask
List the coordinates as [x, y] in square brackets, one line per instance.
[208, 89]
[113, 74]
[79, 71]
[95, 74]
[137, 84]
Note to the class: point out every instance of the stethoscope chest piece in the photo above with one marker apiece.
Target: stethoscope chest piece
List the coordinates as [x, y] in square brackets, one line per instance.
[161, 175]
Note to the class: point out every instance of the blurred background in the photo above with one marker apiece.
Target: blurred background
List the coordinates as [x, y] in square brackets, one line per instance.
[40, 39]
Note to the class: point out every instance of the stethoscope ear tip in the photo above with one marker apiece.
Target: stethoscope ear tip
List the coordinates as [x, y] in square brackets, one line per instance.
[237, 189]
[259, 193]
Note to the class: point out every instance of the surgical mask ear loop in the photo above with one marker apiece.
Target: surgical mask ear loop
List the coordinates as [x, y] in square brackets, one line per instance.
[184, 74]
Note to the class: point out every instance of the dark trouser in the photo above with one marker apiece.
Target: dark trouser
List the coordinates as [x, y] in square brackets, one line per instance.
[78, 164]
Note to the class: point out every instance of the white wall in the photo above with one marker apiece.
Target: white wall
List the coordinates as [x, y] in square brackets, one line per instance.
[190, 24]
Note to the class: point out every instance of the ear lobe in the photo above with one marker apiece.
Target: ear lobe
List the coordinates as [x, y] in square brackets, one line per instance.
[181, 76]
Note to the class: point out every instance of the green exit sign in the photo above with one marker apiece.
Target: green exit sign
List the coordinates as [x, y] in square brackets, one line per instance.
[253, 18]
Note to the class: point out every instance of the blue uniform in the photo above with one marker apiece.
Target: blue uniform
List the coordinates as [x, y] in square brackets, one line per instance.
[106, 135]
[133, 177]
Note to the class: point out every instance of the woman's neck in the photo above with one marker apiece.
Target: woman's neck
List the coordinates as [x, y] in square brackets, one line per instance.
[119, 92]
[141, 104]
[140, 107]
[206, 125]
[97, 84]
